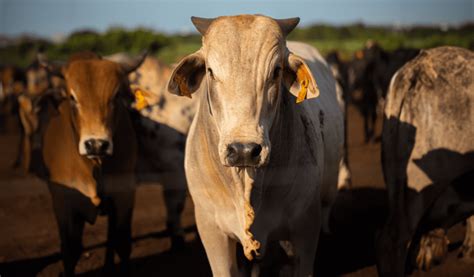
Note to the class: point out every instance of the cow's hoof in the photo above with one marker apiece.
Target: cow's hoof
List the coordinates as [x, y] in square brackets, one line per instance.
[433, 249]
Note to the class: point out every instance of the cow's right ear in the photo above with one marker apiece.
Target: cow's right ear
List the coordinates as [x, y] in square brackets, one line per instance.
[188, 75]
[55, 68]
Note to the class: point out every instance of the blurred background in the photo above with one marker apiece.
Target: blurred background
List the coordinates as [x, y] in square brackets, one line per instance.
[346, 31]
[110, 26]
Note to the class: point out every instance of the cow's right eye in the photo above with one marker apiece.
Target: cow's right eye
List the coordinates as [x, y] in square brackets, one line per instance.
[73, 100]
[211, 74]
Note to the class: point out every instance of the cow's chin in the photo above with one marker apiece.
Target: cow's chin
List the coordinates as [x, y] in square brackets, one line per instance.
[96, 159]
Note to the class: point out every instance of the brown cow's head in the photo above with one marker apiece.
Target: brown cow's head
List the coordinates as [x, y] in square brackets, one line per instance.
[95, 88]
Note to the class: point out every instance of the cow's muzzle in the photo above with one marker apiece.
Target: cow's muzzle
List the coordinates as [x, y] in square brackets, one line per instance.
[97, 147]
[243, 154]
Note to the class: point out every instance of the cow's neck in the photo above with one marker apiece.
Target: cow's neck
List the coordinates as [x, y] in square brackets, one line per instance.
[241, 184]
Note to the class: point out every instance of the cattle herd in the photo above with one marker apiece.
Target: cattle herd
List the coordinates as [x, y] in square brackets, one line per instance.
[254, 128]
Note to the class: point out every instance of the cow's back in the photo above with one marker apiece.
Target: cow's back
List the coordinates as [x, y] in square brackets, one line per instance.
[429, 116]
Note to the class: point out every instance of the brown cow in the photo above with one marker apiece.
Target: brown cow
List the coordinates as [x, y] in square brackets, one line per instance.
[89, 151]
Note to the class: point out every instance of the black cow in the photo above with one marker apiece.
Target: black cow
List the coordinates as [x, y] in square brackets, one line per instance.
[370, 72]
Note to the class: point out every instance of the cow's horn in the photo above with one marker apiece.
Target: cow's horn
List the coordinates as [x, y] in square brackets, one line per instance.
[287, 25]
[201, 23]
[134, 63]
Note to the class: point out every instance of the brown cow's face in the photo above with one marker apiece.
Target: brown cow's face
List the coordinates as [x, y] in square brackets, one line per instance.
[96, 89]
[93, 87]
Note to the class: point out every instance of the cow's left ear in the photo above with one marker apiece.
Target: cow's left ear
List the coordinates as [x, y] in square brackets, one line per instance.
[187, 76]
[299, 80]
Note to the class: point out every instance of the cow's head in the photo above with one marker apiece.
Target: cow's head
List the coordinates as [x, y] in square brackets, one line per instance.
[95, 88]
[247, 66]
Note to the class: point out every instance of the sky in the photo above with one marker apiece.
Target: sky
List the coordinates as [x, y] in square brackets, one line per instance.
[49, 18]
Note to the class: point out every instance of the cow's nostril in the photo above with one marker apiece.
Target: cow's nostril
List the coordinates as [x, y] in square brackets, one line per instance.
[243, 154]
[89, 145]
[103, 146]
[233, 152]
[257, 149]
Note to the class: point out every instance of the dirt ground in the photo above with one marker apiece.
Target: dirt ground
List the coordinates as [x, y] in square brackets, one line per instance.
[29, 241]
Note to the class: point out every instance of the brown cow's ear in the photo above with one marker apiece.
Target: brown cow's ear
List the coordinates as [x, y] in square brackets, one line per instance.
[56, 68]
[131, 65]
[187, 76]
[299, 80]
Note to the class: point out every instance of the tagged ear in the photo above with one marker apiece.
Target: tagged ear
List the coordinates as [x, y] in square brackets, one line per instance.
[142, 97]
[187, 76]
[55, 68]
[299, 80]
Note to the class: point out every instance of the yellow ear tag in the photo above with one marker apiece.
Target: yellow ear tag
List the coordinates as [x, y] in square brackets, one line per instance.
[140, 101]
[304, 83]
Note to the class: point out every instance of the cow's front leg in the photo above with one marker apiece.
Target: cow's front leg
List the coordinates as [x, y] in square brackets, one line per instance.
[305, 237]
[121, 199]
[70, 224]
[220, 249]
[392, 244]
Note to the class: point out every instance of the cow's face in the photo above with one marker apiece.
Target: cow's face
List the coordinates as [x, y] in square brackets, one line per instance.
[96, 89]
[246, 65]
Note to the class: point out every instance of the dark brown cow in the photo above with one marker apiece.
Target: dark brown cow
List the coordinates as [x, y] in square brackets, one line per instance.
[89, 151]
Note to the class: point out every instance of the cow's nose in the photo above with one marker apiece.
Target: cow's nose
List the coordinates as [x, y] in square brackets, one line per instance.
[243, 154]
[97, 147]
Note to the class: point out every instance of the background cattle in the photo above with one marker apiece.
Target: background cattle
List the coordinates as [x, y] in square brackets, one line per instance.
[428, 158]
[89, 152]
[12, 84]
[370, 72]
[42, 89]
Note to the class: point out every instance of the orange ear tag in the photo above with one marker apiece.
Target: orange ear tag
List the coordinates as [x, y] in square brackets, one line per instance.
[140, 101]
[304, 82]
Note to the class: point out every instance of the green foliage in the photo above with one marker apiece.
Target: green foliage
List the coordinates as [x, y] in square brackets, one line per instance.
[169, 48]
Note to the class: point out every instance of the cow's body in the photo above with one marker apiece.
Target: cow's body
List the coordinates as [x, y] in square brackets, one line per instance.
[162, 127]
[428, 155]
[283, 200]
[100, 179]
